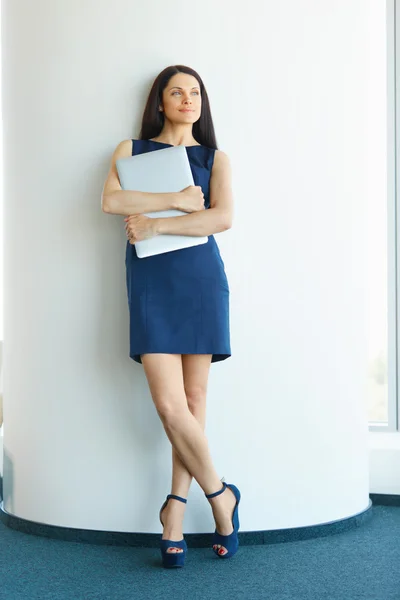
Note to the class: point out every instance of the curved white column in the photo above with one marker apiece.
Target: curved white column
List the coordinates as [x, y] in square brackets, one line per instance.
[83, 445]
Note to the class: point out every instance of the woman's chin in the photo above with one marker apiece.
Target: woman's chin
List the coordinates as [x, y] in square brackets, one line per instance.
[185, 117]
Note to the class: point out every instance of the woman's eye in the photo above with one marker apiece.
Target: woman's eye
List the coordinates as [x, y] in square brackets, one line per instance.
[176, 92]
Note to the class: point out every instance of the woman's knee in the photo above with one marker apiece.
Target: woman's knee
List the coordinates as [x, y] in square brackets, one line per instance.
[165, 377]
[170, 408]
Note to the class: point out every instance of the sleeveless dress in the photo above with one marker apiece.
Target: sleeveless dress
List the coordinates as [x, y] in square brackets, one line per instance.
[179, 300]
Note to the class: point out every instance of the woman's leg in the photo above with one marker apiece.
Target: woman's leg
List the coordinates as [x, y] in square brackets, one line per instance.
[164, 374]
[196, 368]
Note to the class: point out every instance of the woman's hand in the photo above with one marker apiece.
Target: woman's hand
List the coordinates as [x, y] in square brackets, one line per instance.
[191, 199]
[140, 227]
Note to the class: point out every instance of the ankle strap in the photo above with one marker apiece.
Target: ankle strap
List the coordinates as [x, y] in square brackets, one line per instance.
[176, 498]
[217, 493]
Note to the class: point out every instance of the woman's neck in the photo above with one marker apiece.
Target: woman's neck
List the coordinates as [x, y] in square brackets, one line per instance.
[177, 136]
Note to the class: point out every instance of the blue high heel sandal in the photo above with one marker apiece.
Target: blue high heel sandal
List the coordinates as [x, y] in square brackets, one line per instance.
[170, 559]
[230, 542]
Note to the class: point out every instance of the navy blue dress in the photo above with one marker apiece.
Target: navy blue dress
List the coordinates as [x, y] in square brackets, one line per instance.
[179, 300]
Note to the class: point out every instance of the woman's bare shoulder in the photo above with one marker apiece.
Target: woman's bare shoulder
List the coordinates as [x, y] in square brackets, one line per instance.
[124, 148]
[221, 160]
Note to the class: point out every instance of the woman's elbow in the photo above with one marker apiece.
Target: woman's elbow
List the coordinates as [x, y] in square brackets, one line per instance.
[227, 222]
[223, 220]
[105, 206]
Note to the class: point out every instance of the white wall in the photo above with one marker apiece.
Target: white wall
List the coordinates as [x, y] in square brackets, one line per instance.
[83, 446]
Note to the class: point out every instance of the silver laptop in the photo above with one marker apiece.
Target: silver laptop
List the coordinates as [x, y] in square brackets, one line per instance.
[159, 171]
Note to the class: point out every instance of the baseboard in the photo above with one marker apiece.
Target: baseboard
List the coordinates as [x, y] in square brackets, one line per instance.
[385, 499]
[151, 540]
[194, 540]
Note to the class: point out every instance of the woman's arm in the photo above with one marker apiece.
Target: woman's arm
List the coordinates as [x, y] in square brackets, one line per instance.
[130, 202]
[213, 220]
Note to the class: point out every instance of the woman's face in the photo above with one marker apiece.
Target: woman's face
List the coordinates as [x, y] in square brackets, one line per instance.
[181, 99]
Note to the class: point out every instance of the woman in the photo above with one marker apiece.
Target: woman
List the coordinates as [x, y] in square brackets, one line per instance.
[179, 301]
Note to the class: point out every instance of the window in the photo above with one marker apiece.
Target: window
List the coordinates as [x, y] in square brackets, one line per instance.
[381, 271]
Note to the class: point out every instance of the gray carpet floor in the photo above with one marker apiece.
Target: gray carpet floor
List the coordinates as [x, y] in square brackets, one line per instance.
[361, 564]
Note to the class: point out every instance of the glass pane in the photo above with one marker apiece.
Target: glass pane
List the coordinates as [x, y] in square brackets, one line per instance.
[377, 226]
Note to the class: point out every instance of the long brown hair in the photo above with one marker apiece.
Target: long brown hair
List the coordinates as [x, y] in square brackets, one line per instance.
[153, 118]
